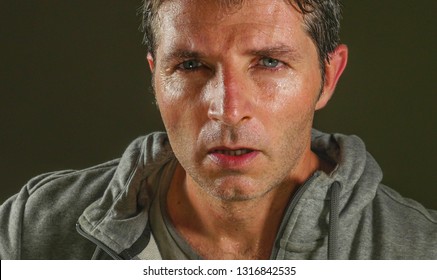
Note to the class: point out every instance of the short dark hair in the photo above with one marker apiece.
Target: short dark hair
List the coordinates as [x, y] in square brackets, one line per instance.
[321, 21]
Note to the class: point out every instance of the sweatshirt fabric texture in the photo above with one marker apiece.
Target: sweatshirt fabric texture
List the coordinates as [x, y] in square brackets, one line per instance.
[103, 212]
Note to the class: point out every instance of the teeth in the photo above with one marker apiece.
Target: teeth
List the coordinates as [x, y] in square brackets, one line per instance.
[234, 152]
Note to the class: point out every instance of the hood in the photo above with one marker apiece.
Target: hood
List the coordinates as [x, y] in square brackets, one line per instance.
[330, 203]
[119, 219]
[357, 172]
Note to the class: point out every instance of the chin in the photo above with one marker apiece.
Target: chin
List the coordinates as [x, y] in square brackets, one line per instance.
[233, 191]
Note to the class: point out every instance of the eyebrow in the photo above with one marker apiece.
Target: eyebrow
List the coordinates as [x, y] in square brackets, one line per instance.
[181, 54]
[280, 50]
[275, 51]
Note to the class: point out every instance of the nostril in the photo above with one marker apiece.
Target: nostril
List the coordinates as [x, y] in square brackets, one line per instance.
[230, 116]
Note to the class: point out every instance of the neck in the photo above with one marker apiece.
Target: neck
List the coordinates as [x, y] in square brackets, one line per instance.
[230, 229]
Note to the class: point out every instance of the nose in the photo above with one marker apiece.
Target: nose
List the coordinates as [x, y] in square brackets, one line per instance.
[230, 98]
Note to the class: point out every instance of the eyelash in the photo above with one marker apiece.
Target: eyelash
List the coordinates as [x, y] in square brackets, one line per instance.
[277, 67]
[195, 68]
[199, 64]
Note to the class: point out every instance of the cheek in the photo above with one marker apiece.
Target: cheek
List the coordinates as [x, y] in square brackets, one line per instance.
[179, 106]
[169, 90]
[288, 111]
[287, 96]
[168, 95]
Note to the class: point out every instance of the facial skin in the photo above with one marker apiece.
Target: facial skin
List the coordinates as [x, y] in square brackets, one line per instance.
[242, 78]
[231, 81]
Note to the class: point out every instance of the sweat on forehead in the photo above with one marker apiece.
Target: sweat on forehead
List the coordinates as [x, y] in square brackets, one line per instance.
[186, 27]
[321, 21]
[152, 11]
[175, 10]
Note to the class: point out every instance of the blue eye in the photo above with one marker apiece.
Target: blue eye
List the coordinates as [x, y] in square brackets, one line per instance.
[269, 62]
[190, 65]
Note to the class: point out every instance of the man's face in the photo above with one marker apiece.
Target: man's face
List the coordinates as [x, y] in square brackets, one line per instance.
[237, 90]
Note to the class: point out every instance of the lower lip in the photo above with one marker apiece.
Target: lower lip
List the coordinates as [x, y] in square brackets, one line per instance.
[233, 162]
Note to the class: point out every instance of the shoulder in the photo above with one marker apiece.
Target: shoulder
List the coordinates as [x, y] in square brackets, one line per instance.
[67, 189]
[403, 209]
[405, 227]
[39, 221]
[70, 184]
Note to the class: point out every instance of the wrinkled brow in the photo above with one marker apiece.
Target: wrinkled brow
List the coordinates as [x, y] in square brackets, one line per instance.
[181, 54]
[275, 51]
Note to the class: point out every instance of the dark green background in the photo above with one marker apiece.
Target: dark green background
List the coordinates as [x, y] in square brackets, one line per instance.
[74, 88]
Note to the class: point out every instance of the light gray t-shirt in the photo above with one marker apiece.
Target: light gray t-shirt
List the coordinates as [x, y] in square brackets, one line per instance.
[170, 243]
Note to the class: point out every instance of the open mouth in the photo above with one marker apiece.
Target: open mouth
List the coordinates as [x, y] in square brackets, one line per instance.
[238, 152]
[233, 158]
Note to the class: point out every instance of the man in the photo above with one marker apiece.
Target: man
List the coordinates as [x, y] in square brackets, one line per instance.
[240, 174]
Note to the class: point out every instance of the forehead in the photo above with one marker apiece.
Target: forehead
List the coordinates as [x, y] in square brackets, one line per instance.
[211, 21]
[219, 9]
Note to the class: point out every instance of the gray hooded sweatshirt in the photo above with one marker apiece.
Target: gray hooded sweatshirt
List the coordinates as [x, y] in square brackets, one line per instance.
[103, 211]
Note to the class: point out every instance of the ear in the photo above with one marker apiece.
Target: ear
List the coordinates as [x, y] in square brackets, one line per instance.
[151, 62]
[333, 70]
